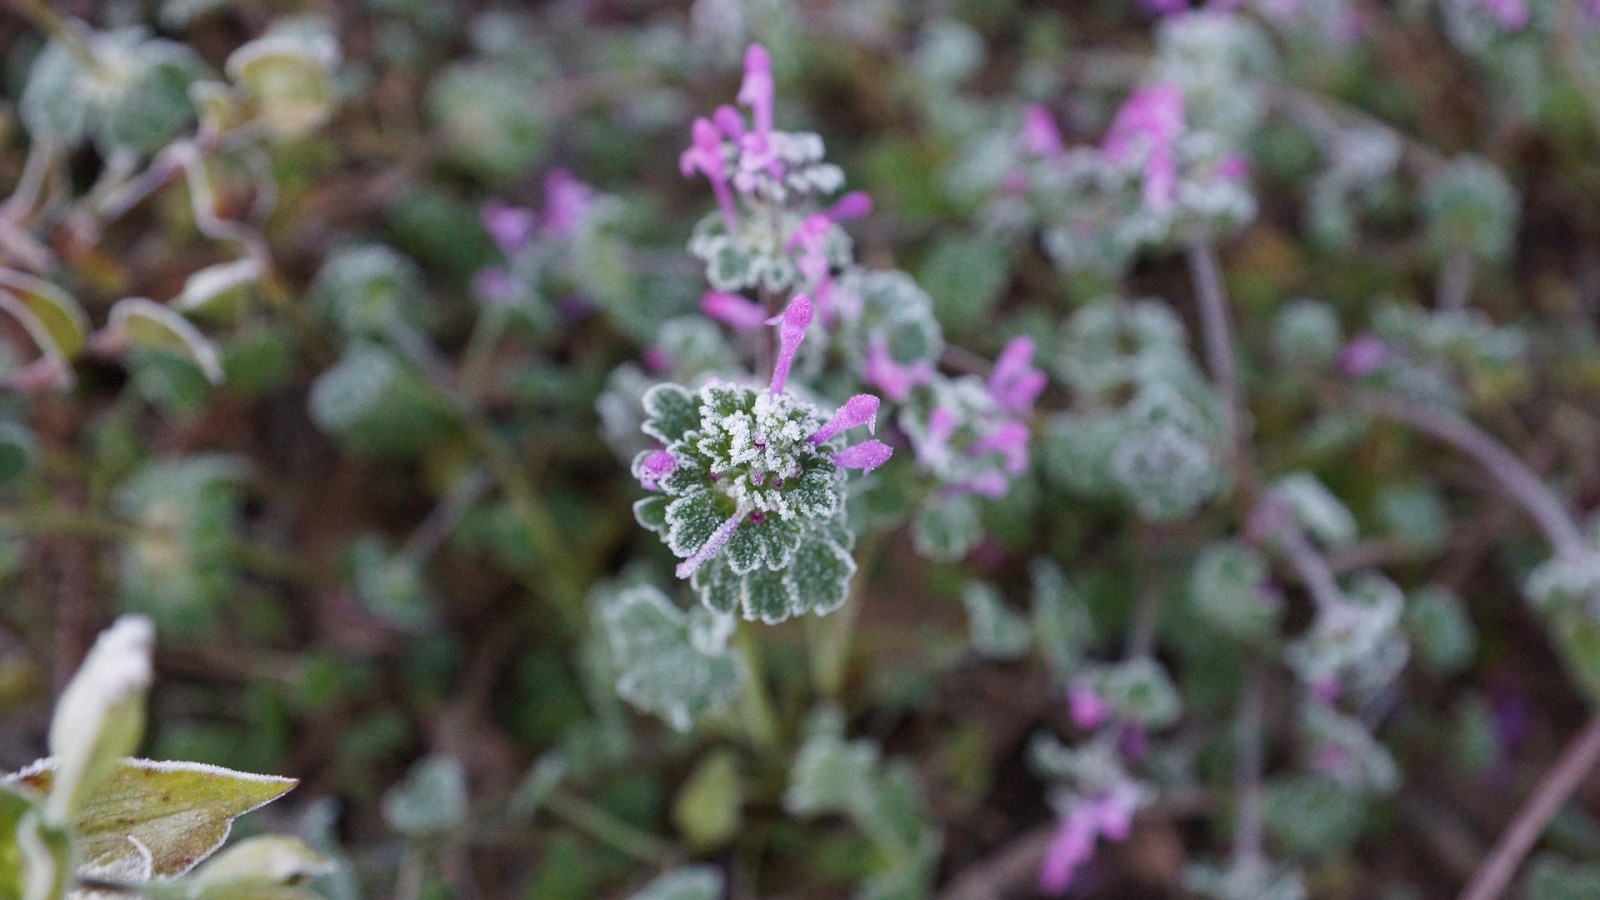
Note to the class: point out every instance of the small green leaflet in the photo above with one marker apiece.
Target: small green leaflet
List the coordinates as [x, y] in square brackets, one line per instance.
[140, 322]
[53, 319]
[668, 662]
[159, 818]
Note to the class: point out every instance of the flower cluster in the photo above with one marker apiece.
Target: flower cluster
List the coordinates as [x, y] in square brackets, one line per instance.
[750, 487]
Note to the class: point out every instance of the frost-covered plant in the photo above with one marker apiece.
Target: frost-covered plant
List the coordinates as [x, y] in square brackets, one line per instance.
[91, 818]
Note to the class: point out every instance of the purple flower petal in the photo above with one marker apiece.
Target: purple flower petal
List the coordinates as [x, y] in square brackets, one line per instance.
[732, 310]
[791, 331]
[862, 409]
[866, 456]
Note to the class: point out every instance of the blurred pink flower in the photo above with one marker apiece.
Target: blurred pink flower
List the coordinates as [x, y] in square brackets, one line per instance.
[1149, 123]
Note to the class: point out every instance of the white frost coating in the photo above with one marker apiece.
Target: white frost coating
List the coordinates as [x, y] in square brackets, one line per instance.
[204, 353]
[100, 715]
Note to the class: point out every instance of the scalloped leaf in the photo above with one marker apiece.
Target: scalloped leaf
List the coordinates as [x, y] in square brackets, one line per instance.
[821, 573]
[671, 411]
[167, 816]
[661, 667]
[718, 586]
[212, 286]
[140, 322]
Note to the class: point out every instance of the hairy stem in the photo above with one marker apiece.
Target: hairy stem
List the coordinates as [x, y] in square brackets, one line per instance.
[1541, 503]
[1575, 764]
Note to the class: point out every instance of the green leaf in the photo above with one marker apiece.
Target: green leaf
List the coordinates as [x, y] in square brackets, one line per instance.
[719, 587]
[997, 632]
[651, 512]
[707, 809]
[1440, 630]
[661, 666]
[671, 412]
[270, 867]
[1225, 588]
[215, 286]
[970, 272]
[768, 596]
[432, 799]
[35, 860]
[288, 78]
[53, 320]
[831, 776]
[946, 528]
[686, 883]
[141, 323]
[820, 573]
[164, 817]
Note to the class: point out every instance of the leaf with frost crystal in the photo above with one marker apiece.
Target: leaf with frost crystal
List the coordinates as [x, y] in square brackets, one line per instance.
[821, 573]
[946, 528]
[174, 813]
[768, 596]
[686, 883]
[997, 631]
[269, 867]
[651, 512]
[1317, 509]
[143, 323]
[51, 316]
[831, 776]
[691, 521]
[661, 667]
[1225, 589]
[432, 799]
[718, 586]
[769, 544]
[35, 860]
[671, 412]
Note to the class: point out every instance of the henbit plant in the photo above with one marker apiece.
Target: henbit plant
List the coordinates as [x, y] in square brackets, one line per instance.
[90, 821]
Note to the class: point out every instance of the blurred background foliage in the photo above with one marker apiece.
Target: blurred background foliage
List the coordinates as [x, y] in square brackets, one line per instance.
[336, 544]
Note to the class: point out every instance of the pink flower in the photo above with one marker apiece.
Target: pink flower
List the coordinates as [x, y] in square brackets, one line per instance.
[1010, 441]
[510, 227]
[705, 157]
[866, 456]
[895, 380]
[655, 467]
[1072, 846]
[757, 89]
[862, 409]
[1088, 710]
[1149, 123]
[566, 202]
[1511, 14]
[791, 331]
[732, 310]
[1015, 384]
[1039, 133]
[853, 205]
[1364, 355]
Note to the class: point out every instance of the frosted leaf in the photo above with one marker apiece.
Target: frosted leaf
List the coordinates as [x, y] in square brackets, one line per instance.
[1227, 587]
[1317, 509]
[661, 667]
[1138, 689]
[697, 882]
[651, 512]
[768, 596]
[691, 520]
[996, 631]
[431, 799]
[770, 544]
[1061, 621]
[947, 527]
[821, 573]
[672, 412]
[1343, 749]
[1440, 629]
[831, 776]
[718, 586]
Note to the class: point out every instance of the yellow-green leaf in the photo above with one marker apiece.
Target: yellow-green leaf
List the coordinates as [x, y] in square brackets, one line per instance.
[35, 860]
[139, 322]
[53, 319]
[177, 813]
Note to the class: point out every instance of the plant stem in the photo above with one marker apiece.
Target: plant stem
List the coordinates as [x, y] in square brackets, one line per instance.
[1247, 850]
[760, 722]
[830, 637]
[1575, 764]
[606, 828]
[1313, 568]
[1541, 503]
[1217, 331]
